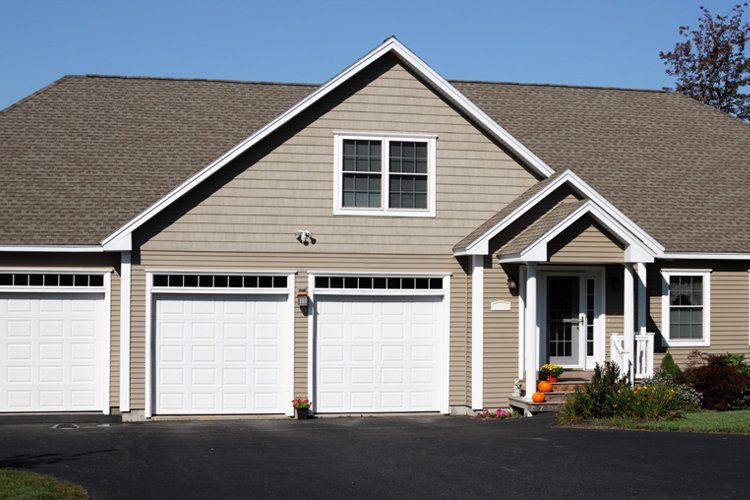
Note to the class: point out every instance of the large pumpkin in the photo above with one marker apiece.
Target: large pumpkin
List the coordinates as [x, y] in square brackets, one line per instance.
[538, 397]
[544, 386]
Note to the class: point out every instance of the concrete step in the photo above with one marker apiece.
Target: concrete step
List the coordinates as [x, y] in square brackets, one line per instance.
[531, 407]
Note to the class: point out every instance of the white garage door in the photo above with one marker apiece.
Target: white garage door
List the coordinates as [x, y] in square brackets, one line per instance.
[51, 352]
[379, 354]
[222, 354]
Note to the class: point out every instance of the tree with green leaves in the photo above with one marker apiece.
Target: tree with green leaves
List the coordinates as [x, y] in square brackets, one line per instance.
[710, 63]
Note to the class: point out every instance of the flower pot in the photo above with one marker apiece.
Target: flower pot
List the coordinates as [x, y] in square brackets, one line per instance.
[551, 379]
[302, 413]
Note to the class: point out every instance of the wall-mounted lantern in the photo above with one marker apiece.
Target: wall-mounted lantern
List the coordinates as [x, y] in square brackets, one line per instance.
[302, 297]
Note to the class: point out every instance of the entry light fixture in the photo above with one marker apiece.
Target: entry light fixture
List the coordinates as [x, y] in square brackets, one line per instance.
[512, 285]
[302, 297]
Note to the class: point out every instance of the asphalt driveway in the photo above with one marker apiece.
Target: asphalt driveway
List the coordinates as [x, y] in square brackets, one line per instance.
[380, 457]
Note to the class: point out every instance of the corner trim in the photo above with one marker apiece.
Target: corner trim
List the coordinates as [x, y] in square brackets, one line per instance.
[477, 332]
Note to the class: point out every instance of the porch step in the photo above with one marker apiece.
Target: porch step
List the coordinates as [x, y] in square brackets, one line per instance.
[565, 385]
[520, 403]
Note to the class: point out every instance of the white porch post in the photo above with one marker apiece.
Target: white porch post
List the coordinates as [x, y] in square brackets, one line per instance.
[642, 297]
[532, 363]
[629, 316]
[125, 332]
[477, 332]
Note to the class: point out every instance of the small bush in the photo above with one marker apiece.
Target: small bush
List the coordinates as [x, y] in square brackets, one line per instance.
[597, 399]
[722, 386]
[670, 367]
[738, 361]
[609, 395]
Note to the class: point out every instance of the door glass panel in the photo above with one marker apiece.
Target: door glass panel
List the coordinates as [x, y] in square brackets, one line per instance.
[562, 319]
[590, 303]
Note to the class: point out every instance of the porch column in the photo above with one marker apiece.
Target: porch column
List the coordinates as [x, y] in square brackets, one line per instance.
[532, 363]
[642, 297]
[125, 260]
[628, 312]
[477, 332]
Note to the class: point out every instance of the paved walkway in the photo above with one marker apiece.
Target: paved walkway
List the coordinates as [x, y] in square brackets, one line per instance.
[380, 457]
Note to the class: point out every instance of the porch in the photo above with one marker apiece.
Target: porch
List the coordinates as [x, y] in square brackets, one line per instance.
[563, 320]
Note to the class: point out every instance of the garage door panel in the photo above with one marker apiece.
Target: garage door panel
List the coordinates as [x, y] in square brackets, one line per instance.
[52, 347]
[373, 354]
[230, 359]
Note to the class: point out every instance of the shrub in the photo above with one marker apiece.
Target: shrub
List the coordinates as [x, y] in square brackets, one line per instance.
[738, 361]
[609, 395]
[597, 399]
[670, 367]
[722, 385]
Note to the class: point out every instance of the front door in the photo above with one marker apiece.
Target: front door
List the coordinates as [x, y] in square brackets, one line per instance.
[572, 318]
[564, 320]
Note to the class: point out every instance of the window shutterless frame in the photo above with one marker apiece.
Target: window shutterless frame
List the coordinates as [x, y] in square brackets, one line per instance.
[385, 139]
[705, 340]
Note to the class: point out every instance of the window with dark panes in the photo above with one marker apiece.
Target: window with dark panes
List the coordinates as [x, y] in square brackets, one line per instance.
[362, 173]
[686, 307]
[407, 168]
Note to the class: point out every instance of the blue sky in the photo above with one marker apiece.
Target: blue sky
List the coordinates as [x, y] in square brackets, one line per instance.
[573, 42]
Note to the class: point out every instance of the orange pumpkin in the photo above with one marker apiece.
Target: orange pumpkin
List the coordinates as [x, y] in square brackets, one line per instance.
[538, 397]
[544, 386]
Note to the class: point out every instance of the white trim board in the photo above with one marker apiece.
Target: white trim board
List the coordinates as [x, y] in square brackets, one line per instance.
[445, 292]
[536, 251]
[390, 45]
[480, 246]
[385, 175]
[667, 341]
[288, 353]
[477, 332]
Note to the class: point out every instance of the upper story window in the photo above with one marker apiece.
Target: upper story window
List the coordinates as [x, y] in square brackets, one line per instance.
[686, 307]
[384, 175]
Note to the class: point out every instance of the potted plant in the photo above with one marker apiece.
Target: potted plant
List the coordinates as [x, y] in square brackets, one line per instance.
[301, 408]
[551, 372]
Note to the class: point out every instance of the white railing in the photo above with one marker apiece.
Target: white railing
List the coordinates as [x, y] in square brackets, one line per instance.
[644, 355]
[620, 354]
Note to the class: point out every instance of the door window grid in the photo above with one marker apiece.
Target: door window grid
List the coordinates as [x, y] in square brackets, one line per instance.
[590, 305]
[378, 283]
[51, 280]
[219, 281]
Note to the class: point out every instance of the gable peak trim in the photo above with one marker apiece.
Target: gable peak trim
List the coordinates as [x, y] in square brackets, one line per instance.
[390, 45]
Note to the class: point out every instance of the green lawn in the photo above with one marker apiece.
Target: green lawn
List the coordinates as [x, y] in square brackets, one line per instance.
[735, 422]
[19, 484]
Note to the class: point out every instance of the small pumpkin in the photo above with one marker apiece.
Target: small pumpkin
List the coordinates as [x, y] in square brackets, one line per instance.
[544, 386]
[538, 397]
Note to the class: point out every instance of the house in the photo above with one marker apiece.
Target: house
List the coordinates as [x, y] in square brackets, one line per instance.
[388, 241]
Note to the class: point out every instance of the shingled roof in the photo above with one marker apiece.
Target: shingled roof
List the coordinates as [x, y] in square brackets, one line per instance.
[88, 153]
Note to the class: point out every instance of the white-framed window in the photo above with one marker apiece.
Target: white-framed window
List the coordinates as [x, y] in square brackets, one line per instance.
[686, 307]
[384, 174]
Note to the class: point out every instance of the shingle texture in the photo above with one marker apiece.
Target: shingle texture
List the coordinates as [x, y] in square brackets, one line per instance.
[540, 227]
[679, 169]
[88, 153]
[85, 155]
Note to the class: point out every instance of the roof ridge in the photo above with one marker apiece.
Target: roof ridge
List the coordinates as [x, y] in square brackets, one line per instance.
[563, 85]
[189, 79]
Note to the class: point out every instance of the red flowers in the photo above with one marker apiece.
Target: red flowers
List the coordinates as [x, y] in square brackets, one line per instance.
[301, 404]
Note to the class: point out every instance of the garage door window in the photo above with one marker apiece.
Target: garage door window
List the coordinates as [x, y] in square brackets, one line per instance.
[219, 281]
[51, 280]
[378, 283]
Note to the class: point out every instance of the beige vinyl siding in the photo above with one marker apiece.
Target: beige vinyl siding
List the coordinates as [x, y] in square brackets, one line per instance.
[585, 242]
[303, 263]
[83, 260]
[287, 183]
[500, 336]
[730, 306]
